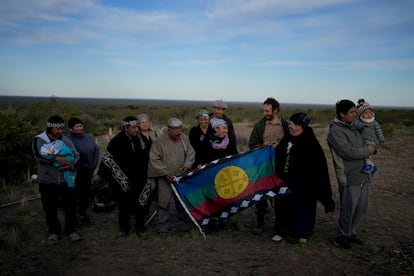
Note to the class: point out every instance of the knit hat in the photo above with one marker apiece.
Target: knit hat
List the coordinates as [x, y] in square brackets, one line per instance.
[174, 123]
[362, 108]
[216, 122]
[361, 102]
[300, 119]
[202, 113]
[220, 103]
[55, 121]
[73, 122]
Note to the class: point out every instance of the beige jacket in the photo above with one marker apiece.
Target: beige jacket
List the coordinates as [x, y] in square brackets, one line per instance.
[167, 157]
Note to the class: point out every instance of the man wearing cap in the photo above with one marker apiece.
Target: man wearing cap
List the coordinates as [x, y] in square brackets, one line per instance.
[170, 155]
[219, 107]
[52, 185]
[85, 167]
[124, 166]
[268, 131]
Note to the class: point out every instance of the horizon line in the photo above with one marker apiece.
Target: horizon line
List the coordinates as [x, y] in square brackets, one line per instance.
[186, 101]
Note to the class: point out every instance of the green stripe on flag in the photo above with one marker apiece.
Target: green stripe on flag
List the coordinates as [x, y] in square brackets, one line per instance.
[208, 191]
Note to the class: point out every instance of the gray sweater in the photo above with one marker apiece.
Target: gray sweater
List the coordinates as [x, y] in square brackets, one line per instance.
[371, 132]
[348, 152]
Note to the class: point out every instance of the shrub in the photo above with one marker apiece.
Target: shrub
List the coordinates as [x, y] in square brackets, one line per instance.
[15, 146]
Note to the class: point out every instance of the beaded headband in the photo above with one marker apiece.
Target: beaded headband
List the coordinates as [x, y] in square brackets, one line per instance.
[56, 125]
[130, 123]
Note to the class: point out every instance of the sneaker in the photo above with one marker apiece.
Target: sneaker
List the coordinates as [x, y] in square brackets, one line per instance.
[354, 239]
[52, 239]
[343, 242]
[374, 170]
[277, 238]
[75, 236]
[367, 169]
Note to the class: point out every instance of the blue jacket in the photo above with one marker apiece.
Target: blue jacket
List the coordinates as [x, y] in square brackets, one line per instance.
[88, 150]
[47, 172]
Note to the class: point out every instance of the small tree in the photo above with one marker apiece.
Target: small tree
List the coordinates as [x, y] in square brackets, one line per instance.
[15, 146]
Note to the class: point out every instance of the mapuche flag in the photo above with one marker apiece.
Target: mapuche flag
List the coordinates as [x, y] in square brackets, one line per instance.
[229, 185]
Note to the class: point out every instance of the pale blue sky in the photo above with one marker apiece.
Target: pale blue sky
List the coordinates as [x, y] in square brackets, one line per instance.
[298, 51]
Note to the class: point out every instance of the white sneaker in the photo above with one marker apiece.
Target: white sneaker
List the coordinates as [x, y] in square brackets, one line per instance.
[277, 238]
[52, 239]
[75, 236]
[303, 240]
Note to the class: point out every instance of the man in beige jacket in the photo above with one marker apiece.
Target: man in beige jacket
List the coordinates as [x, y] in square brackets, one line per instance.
[170, 155]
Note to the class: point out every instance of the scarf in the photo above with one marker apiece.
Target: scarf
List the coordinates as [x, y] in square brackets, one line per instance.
[220, 143]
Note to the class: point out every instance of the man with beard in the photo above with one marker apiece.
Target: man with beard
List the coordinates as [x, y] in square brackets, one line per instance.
[268, 131]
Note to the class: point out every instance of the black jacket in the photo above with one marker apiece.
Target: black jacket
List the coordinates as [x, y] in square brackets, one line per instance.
[306, 166]
[125, 162]
[201, 144]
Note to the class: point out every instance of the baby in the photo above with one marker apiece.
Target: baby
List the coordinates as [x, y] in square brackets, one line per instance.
[59, 148]
[371, 132]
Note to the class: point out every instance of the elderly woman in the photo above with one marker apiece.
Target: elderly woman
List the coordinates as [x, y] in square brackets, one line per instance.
[199, 138]
[220, 143]
[146, 134]
[301, 163]
[146, 137]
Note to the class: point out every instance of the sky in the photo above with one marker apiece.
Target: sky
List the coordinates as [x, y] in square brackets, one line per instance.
[297, 51]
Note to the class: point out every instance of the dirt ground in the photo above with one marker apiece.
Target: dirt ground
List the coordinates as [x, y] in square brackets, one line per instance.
[388, 230]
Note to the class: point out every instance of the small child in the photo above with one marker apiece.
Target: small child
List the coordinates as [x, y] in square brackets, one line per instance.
[371, 132]
[59, 148]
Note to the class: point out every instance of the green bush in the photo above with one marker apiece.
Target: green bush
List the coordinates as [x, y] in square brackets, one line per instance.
[15, 146]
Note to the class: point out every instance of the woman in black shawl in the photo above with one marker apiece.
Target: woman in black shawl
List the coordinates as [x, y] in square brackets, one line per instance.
[301, 163]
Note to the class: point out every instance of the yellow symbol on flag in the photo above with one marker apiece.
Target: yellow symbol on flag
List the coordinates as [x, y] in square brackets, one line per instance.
[230, 182]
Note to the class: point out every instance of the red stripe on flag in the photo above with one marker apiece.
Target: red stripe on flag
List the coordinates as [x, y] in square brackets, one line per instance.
[212, 205]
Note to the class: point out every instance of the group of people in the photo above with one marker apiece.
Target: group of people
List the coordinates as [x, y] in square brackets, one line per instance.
[140, 163]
